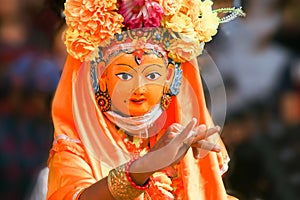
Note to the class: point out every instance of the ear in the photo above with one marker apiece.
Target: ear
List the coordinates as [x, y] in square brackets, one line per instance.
[102, 84]
[170, 74]
[102, 76]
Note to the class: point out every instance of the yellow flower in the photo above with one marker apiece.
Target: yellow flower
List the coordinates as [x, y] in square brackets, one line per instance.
[105, 25]
[93, 16]
[77, 44]
[195, 19]
[171, 7]
[191, 8]
[72, 13]
[206, 7]
[207, 25]
[181, 23]
[90, 23]
[184, 49]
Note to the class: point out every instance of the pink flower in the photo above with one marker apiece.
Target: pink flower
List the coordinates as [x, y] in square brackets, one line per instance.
[139, 2]
[155, 14]
[141, 13]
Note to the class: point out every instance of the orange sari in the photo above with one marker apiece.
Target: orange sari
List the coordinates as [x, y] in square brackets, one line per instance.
[73, 167]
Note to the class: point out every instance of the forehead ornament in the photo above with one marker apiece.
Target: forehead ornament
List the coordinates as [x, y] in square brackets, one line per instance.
[138, 56]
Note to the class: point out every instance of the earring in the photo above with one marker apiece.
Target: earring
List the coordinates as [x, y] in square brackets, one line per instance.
[177, 79]
[103, 99]
[166, 100]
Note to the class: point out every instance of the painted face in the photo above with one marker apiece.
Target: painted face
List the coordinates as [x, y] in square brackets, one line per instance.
[136, 85]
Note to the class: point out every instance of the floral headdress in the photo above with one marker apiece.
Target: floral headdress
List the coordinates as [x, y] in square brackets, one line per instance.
[91, 22]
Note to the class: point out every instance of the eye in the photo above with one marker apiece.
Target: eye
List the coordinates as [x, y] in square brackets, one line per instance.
[124, 76]
[153, 76]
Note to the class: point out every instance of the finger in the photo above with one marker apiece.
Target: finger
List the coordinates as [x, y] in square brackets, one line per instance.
[176, 127]
[187, 130]
[179, 140]
[181, 153]
[196, 152]
[172, 134]
[205, 145]
[202, 133]
[201, 129]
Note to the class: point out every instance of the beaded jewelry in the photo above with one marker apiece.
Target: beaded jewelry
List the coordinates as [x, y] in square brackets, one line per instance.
[133, 184]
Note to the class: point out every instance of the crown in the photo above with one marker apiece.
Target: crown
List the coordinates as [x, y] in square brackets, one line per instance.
[160, 41]
[145, 39]
[95, 22]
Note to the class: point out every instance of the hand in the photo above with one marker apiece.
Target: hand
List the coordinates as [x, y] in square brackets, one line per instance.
[172, 147]
[199, 143]
[195, 138]
[167, 151]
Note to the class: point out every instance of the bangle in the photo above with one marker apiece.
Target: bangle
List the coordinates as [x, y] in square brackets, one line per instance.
[133, 184]
[120, 186]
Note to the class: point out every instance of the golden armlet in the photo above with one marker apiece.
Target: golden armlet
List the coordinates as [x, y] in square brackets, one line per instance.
[121, 185]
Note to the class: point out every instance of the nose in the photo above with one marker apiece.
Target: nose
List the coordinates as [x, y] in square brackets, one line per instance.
[139, 86]
[139, 91]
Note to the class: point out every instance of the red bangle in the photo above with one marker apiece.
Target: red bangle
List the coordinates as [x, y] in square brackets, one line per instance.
[133, 184]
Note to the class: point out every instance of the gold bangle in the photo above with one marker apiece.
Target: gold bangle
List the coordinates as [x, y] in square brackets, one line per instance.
[119, 186]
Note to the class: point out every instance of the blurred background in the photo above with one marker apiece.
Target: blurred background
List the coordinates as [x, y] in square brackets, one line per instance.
[32, 55]
[257, 56]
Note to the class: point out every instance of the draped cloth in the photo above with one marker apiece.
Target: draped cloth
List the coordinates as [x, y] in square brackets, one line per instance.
[86, 145]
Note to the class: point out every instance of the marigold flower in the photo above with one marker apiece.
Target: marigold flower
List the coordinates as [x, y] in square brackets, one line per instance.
[77, 44]
[105, 25]
[161, 188]
[184, 49]
[171, 7]
[206, 26]
[193, 8]
[94, 21]
[181, 23]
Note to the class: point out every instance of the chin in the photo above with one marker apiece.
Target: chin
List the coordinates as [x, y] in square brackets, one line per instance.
[139, 111]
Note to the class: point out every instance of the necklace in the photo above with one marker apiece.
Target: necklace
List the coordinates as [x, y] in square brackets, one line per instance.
[135, 145]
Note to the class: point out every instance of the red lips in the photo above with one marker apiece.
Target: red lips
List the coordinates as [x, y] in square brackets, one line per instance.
[138, 101]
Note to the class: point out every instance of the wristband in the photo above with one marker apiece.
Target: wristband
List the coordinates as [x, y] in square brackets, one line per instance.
[133, 184]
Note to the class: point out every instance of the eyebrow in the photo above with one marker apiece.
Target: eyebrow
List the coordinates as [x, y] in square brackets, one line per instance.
[127, 66]
[151, 66]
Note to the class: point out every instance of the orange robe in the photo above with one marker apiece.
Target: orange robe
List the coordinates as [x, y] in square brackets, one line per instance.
[73, 168]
